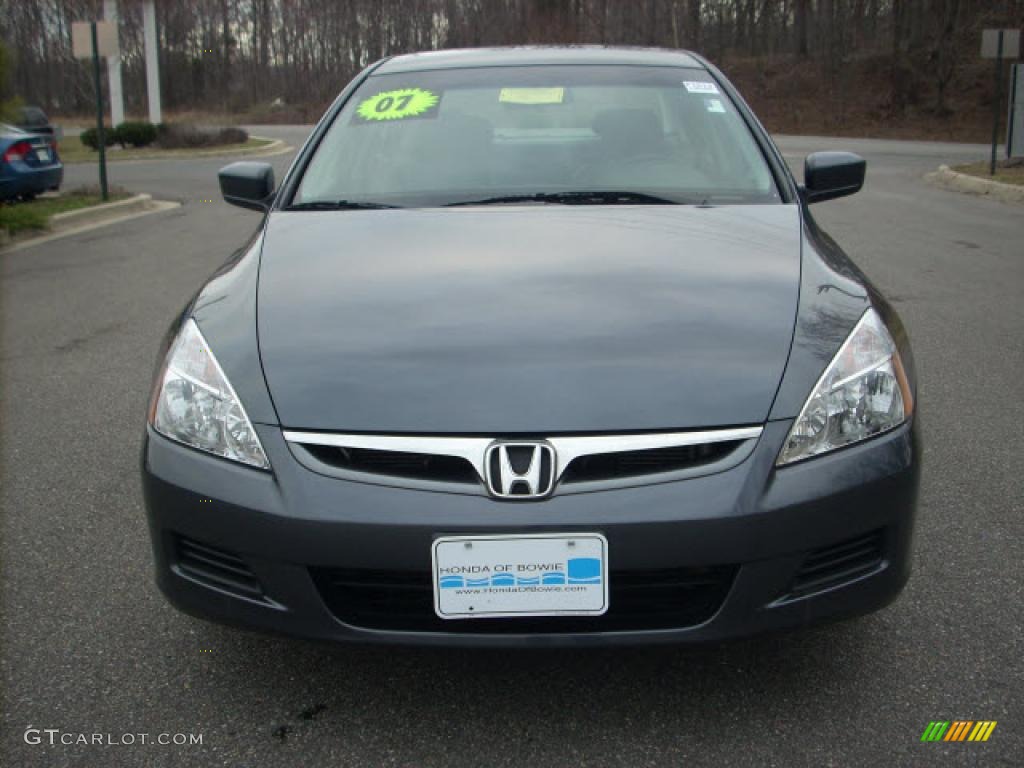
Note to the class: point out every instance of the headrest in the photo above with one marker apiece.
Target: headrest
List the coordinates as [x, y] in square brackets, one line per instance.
[629, 128]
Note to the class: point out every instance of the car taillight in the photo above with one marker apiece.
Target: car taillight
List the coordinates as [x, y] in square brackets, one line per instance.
[17, 151]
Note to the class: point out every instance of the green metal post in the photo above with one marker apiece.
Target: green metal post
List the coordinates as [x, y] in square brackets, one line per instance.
[100, 136]
[997, 107]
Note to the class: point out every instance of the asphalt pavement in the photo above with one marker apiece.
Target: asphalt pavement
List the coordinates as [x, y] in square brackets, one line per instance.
[90, 647]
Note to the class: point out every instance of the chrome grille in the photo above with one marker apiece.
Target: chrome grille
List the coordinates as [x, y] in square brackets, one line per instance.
[424, 466]
[623, 464]
[582, 462]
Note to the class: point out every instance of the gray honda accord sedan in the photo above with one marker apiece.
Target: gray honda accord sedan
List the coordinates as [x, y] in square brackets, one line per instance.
[535, 346]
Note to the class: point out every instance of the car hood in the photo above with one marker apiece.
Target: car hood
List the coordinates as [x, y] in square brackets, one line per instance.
[527, 319]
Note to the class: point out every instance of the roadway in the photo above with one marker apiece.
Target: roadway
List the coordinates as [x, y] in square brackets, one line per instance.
[89, 645]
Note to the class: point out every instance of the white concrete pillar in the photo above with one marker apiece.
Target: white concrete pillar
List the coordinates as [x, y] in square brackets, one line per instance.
[152, 62]
[114, 69]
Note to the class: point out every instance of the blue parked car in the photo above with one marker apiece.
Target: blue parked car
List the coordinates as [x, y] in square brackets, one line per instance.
[29, 163]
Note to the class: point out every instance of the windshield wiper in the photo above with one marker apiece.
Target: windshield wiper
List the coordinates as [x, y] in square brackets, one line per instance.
[580, 197]
[337, 205]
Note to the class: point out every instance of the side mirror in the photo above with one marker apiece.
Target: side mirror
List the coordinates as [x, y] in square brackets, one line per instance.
[828, 175]
[247, 184]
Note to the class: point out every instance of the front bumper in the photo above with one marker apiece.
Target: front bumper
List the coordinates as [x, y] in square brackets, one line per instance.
[767, 535]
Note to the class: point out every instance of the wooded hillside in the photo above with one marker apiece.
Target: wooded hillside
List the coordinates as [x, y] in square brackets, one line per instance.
[868, 67]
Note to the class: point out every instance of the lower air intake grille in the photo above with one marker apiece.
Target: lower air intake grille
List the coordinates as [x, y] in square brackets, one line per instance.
[638, 600]
[837, 564]
[216, 568]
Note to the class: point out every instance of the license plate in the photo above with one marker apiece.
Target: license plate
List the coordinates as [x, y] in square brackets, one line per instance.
[558, 574]
[43, 155]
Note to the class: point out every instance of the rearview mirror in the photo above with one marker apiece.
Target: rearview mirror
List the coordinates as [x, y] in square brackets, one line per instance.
[247, 184]
[828, 175]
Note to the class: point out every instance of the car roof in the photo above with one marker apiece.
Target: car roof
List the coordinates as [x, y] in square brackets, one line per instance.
[532, 55]
[7, 128]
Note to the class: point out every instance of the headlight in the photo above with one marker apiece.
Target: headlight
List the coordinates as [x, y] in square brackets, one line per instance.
[194, 403]
[862, 393]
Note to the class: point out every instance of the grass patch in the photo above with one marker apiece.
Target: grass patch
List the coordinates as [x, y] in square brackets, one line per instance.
[1007, 171]
[72, 150]
[35, 215]
[21, 217]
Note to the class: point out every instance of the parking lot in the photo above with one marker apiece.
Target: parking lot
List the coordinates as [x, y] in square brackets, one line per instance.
[90, 646]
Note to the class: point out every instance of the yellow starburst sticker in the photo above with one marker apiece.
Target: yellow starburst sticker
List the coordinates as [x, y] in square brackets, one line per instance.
[396, 105]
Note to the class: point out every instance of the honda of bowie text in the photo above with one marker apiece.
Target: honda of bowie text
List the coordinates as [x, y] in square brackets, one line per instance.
[535, 346]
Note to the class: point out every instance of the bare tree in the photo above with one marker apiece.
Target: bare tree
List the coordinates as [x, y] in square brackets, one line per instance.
[234, 54]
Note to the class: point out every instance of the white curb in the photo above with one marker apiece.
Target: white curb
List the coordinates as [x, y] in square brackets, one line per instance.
[275, 147]
[86, 219]
[947, 178]
[68, 219]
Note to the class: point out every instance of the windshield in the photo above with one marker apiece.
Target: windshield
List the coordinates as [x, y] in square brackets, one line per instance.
[536, 135]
